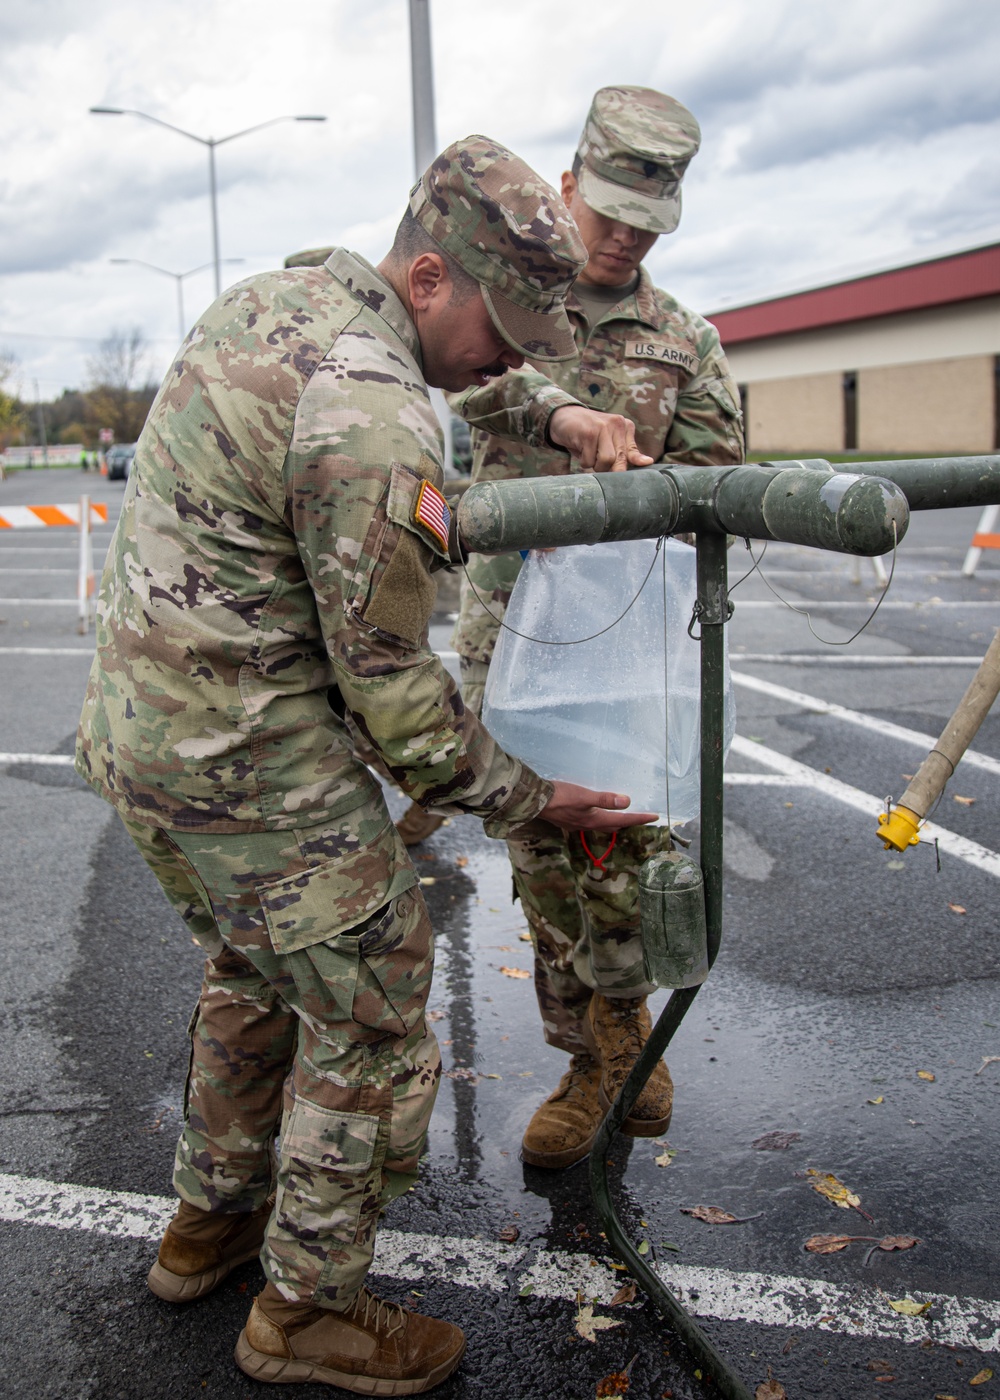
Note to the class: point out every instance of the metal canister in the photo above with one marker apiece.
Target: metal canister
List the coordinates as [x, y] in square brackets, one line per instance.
[672, 914]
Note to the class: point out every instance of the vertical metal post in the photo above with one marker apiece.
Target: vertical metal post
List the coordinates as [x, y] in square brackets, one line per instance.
[213, 196]
[422, 77]
[425, 149]
[713, 611]
[41, 427]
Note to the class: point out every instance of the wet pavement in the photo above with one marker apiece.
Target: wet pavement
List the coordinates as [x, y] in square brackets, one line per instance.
[844, 972]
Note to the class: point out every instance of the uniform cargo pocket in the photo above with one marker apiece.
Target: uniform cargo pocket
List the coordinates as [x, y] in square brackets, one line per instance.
[357, 939]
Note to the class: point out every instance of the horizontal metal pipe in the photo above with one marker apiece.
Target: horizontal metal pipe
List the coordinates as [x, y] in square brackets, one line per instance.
[928, 483]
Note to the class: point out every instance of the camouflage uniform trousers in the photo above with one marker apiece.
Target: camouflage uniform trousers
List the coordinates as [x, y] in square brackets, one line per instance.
[582, 909]
[310, 1019]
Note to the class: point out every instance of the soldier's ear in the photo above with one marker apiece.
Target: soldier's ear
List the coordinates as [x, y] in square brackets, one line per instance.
[427, 280]
[568, 187]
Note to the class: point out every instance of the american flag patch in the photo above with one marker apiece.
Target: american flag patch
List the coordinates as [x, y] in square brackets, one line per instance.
[431, 511]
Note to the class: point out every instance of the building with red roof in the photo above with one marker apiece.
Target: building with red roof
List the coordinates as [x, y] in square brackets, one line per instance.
[904, 360]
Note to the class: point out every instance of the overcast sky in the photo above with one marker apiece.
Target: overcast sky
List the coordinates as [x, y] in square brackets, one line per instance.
[838, 135]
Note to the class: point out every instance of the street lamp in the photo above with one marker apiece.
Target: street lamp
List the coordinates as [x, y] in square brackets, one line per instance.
[211, 142]
[179, 279]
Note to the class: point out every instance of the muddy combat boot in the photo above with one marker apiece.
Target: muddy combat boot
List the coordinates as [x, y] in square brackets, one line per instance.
[415, 825]
[374, 1348]
[616, 1029]
[200, 1248]
[562, 1129]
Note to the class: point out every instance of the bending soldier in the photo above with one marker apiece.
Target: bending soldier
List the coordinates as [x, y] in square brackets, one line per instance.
[640, 353]
[271, 575]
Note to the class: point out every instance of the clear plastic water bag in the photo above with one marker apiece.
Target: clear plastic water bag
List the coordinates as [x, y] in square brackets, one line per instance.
[605, 712]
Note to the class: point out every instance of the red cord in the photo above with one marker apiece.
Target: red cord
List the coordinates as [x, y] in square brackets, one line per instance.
[599, 860]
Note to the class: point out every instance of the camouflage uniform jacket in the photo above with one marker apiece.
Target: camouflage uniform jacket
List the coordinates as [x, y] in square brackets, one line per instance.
[271, 570]
[649, 358]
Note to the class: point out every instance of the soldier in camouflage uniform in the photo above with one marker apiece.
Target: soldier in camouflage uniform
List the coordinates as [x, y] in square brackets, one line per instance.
[641, 353]
[271, 575]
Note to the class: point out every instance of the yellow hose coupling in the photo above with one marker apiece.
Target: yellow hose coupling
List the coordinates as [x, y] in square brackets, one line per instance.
[899, 828]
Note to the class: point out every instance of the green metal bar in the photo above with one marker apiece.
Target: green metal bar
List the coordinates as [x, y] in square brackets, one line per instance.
[936, 483]
[713, 613]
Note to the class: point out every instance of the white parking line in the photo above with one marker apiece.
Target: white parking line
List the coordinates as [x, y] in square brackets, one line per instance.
[812, 658]
[812, 704]
[803, 776]
[54, 760]
[771, 1300]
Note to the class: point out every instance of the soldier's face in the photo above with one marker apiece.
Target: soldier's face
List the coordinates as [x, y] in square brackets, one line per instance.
[614, 250]
[459, 343]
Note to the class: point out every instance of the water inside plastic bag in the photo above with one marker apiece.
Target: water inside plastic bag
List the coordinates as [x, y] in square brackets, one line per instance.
[595, 712]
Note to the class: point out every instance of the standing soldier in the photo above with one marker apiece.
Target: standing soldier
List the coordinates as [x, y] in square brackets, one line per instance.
[271, 575]
[642, 354]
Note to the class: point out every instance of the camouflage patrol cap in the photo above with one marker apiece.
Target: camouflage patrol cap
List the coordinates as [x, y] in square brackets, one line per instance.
[509, 230]
[635, 148]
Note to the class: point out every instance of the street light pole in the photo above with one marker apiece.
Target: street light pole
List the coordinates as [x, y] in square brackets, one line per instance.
[211, 142]
[178, 278]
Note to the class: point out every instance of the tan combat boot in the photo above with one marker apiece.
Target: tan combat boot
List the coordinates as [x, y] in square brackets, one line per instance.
[374, 1348]
[415, 825]
[200, 1248]
[616, 1029]
[563, 1128]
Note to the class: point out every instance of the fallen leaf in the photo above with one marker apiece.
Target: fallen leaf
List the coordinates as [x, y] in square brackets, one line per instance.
[526, 1290]
[965, 801]
[518, 972]
[827, 1185]
[665, 1158]
[880, 1099]
[770, 1389]
[493, 1076]
[981, 1377]
[925, 1074]
[587, 1325]
[435, 1016]
[643, 1247]
[828, 1244]
[625, 1294]
[427, 880]
[941, 1396]
[462, 1073]
[613, 1386]
[461, 861]
[509, 1234]
[890, 1242]
[877, 1365]
[775, 1142]
[988, 1060]
[957, 908]
[713, 1215]
[908, 1307]
[524, 937]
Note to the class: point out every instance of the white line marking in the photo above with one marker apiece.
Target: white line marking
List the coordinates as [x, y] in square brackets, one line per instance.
[760, 780]
[46, 651]
[37, 571]
[771, 1300]
[960, 846]
[807, 605]
[811, 658]
[54, 760]
[36, 602]
[813, 704]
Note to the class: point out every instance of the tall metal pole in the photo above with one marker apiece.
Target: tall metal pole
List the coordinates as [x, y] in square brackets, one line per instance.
[425, 148]
[422, 75]
[213, 195]
[41, 426]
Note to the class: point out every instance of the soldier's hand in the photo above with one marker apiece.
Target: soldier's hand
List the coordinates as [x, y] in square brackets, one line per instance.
[601, 442]
[581, 809]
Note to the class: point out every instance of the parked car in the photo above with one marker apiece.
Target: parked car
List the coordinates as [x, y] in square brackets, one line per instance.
[119, 460]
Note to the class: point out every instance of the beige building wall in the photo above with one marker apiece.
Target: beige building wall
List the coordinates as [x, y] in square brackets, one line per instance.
[940, 406]
[795, 415]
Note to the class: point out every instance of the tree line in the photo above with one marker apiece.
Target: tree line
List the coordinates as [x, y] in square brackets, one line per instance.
[118, 395]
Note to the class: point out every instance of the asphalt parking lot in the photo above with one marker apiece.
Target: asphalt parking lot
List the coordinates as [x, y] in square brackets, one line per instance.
[853, 1009]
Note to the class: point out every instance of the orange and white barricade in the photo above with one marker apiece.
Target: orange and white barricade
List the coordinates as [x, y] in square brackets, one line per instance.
[986, 537]
[80, 516]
